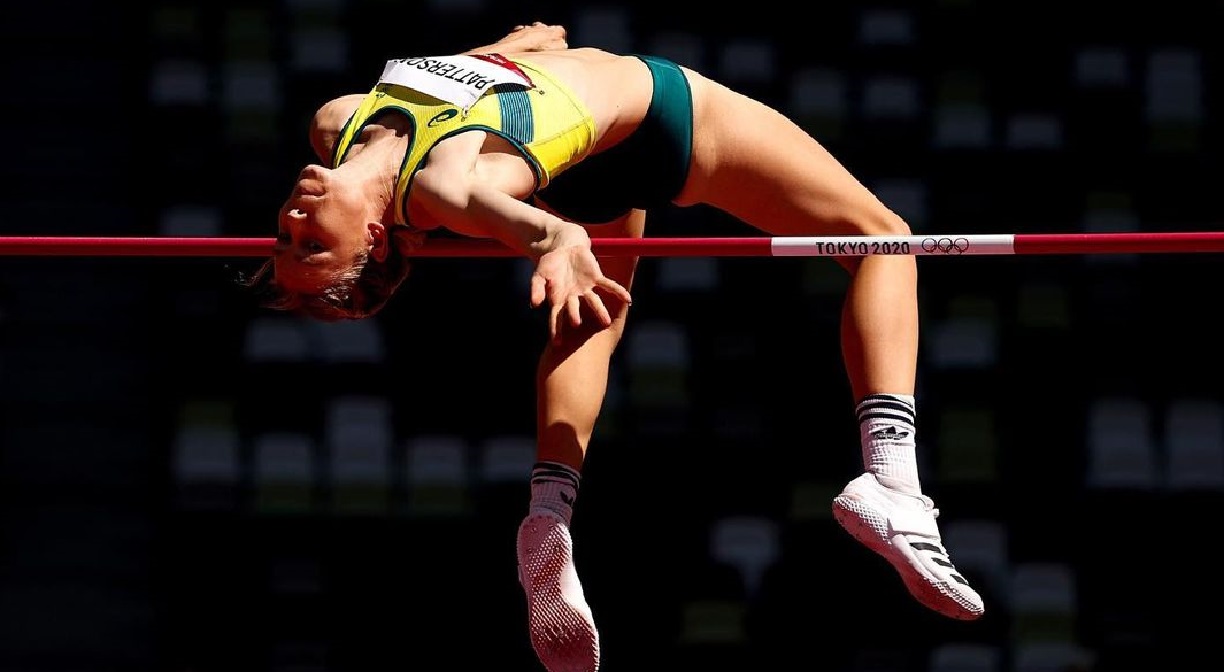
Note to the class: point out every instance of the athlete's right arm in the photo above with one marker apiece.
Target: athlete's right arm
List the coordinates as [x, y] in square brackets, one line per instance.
[477, 209]
[482, 199]
[478, 195]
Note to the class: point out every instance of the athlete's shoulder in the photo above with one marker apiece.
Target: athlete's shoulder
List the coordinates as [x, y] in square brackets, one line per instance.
[328, 123]
[332, 115]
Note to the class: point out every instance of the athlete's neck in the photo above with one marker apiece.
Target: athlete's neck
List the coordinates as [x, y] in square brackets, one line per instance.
[376, 167]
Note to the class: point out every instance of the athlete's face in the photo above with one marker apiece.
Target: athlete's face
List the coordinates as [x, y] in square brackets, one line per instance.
[321, 232]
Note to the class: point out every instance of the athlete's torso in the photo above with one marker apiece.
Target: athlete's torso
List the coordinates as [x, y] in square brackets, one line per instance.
[615, 89]
[539, 108]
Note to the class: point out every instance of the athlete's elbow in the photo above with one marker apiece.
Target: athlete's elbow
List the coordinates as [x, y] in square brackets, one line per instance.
[441, 192]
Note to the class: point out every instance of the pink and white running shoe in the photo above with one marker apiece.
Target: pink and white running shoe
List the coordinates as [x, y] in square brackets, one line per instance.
[559, 620]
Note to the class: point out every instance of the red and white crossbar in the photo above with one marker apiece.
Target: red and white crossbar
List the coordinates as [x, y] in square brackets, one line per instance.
[947, 245]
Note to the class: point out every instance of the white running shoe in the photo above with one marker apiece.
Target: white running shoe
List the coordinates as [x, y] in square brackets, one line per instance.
[901, 527]
[559, 620]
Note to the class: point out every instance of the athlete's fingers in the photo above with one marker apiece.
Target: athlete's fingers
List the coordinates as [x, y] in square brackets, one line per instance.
[597, 306]
[573, 307]
[538, 287]
[554, 320]
[615, 289]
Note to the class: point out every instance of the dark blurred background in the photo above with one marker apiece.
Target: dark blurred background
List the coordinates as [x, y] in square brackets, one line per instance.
[190, 483]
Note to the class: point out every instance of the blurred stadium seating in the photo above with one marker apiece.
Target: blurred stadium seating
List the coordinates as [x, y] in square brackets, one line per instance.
[193, 484]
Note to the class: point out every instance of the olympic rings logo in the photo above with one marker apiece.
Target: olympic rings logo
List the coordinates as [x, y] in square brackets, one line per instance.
[945, 245]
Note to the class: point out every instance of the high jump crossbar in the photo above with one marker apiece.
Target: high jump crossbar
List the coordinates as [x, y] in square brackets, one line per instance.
[945, 245]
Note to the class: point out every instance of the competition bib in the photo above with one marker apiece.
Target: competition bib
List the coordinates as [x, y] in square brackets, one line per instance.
[458, 80]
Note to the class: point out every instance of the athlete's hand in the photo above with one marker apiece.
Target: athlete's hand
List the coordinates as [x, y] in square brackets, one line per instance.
[569, 278]
[537, 36]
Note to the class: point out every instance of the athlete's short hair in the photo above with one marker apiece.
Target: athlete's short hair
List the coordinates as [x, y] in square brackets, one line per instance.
[359, 291]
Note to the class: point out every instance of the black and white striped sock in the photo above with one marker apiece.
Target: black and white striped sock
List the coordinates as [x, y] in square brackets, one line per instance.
[554, 487]
[887, 430]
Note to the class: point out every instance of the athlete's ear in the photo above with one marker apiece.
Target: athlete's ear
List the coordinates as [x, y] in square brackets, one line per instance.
[380, 243]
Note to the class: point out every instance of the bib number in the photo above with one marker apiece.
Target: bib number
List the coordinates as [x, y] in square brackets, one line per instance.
[458, 80]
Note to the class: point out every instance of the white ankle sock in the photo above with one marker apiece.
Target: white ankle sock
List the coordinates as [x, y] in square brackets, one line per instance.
[554, 487]
[887, 431]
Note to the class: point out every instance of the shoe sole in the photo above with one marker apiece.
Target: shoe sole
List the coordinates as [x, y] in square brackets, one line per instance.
[846, 511]
[563, 636]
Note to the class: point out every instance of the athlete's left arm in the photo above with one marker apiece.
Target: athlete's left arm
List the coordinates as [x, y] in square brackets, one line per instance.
[328, 121]
[535, 37]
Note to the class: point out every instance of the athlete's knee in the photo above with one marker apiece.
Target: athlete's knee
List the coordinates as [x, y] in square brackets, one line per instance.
[882, 221]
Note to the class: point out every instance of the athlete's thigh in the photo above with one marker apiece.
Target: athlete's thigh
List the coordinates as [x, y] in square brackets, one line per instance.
[753, 162]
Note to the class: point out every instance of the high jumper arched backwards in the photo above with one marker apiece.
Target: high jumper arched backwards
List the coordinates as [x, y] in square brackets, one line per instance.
[521, 141]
